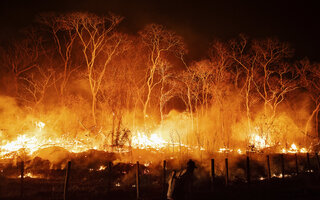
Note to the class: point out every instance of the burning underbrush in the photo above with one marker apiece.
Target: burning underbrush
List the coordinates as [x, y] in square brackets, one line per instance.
[101, 173]
[100, 163]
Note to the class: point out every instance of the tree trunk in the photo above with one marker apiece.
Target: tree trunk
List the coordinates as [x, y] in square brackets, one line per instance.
[93, 108]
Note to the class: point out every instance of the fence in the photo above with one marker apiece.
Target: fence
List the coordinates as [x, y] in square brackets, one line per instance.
[283, 162]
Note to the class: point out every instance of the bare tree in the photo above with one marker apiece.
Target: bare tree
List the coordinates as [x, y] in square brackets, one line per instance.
[203, 72]
[310, 76]
[99, 43]
[272, 77]
[187, 90]
[22, 56]
[160, 43]
[35, 85]
[243, 71]
[167, 86]
[64, 37]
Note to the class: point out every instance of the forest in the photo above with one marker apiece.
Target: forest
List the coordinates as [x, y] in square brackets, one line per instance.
[77, 81]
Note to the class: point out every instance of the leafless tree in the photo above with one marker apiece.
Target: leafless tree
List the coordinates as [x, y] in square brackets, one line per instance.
[64, 37]
[99, 43]
[35, 85]
[272, 77]
[243, 68]
[160, 43]
[310, 76]
[22, 56]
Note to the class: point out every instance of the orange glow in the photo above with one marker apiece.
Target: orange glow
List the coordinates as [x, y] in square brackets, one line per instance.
[294, 149]
[134, 95]
[141, 141]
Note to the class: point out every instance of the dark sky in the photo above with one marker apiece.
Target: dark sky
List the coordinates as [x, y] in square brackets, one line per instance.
[199, 22]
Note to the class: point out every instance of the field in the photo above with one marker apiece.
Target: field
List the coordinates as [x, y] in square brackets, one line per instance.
[114, 179]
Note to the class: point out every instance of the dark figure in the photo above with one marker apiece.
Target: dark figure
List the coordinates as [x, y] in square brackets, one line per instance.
[180, 183]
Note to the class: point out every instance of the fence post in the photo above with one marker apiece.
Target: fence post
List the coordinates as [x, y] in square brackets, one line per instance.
[109, 176]
[282, 166]
[318, 161]
[212, 173]
[248, 170]
[308, 163]
[22, 179]
[137, 180]
[227, 172]
[268, 167]
[296, 160]
[66, 183]
[164, 179]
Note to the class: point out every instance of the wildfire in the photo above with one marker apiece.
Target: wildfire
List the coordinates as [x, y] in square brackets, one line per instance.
[259, 142]
[30, 144]
[142, 141]
[225, 150]
[30, 175]
[293, 149]
[37, 139]
[101, 168]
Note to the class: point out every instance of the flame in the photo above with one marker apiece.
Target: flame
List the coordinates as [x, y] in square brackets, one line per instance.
[259, 142]
[294, 149]
[142, 141]
[101, 168]
[239, 151]
[225, 150]
[38, 138]
[29, 175]
[303, 150]
[40, 125]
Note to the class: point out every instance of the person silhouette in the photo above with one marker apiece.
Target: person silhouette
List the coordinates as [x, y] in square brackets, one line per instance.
[180, 183]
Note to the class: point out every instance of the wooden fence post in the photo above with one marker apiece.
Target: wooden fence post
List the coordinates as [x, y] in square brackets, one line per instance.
[308, 163]
[227, 172]
[268, 167]
[282, 165]
[296, 160]
[22, 179]
[164, 183]
[318, 161]
[66, 182]
[109, 176]
[137, 181]
[212, 173]
[248, 170]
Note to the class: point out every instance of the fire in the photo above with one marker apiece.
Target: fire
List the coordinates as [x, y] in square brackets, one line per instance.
[294, 149]
[225, 150]
[239, 151]
[30, 175]
[40, 125]
[30, 144]
[101, 168]
[37, 139]
[142, 141]
[303, 150]
[259, 142]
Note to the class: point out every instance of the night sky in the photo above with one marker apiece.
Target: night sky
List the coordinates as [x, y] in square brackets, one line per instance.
[199, 22]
